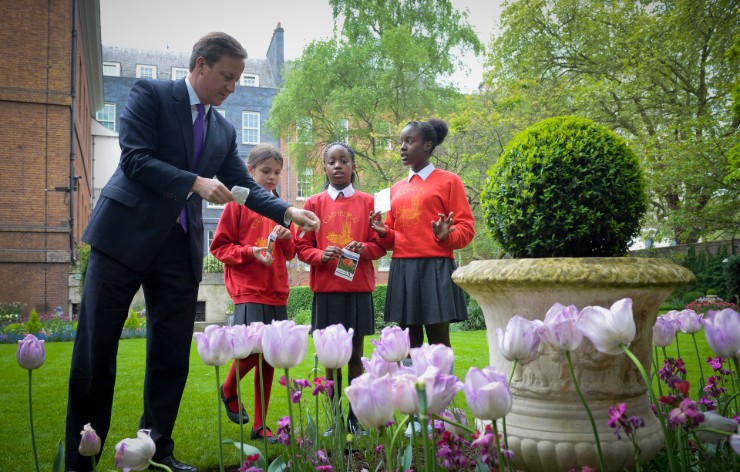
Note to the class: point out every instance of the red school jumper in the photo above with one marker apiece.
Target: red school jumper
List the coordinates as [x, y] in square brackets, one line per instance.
[247, 279]
[415, 204]
[342, 221]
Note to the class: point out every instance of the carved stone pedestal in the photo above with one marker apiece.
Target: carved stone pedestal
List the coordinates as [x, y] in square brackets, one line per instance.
[548, 429]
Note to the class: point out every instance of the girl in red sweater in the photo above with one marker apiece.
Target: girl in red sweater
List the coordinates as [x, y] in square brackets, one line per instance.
[430, 217]
[342, 211]
[256, 279]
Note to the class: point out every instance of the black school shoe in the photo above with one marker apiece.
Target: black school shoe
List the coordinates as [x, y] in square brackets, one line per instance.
[233, 415]
[260, 432]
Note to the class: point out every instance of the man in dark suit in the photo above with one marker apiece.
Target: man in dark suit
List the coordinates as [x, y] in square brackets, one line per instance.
[147, 231]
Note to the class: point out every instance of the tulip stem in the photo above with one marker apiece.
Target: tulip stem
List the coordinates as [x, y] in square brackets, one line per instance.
[338, 430]
[218, 402]
[503, 418]
[291, 433]
[30, 412]
[388, 449]
[262, 404]
[498, 446]
[698, 358]
[429, 462]
[661, 416]
[588, 410]
[398, 431]
[239, 405]
[160, 466]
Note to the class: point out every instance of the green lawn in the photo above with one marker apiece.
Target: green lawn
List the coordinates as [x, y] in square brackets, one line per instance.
[196, 430]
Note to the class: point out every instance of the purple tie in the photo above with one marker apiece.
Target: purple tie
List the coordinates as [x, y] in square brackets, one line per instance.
[198, 131]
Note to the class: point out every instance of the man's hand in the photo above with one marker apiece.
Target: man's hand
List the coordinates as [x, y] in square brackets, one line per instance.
[307, 220]
[212, 190]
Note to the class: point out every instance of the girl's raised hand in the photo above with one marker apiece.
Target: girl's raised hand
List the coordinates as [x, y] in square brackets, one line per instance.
[331, 252]
[376, 224]
[355, 246]
[282, 232]
[443, 227]
[261, 254]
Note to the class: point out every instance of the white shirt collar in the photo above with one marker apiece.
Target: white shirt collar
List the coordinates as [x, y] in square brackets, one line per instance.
[423, 173]
[194, 100]
[347, 191]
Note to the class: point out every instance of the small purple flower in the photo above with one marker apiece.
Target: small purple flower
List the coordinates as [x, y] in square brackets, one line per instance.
[283, 432]
[687, 414]
[619, 420]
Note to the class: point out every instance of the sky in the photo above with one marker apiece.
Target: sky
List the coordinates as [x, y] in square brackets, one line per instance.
[177, 25]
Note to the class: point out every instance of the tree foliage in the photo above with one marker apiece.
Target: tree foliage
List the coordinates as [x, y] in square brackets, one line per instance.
[659, 73]
[381, 69]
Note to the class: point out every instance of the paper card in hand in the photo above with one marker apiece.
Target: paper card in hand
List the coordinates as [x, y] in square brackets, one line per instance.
[347, 264]
[271, 241]
[240, 194]
[383, 200]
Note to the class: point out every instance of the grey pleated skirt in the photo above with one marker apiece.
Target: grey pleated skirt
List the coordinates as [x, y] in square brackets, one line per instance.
[245, 313]
[421, 292]
[353, 310]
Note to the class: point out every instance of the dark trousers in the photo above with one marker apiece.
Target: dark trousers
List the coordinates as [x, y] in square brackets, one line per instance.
[171, 292]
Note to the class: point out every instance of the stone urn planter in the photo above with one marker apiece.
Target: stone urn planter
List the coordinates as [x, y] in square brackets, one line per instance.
[548, 428]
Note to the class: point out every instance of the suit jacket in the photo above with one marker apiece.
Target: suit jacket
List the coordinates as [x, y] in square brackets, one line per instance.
[142, 200]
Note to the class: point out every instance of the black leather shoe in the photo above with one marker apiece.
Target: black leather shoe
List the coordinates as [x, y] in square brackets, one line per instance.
[233, 415]
[175, 465]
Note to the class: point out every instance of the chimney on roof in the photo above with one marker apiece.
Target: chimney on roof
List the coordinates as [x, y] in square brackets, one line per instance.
[276, 54]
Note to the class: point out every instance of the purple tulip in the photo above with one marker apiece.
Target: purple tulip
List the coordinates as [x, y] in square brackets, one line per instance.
[90, 442]
[520, 341]
[333, 346]
[405, 398]
[664, 331]
[31, 353]
[722, 329]
[285, 343]
[378, 366]
[435, 355]
[689, 322]
[735, 442]
[135, 454]
[559, 329]
[488, 393]
[440, 389]
[241, 340]
[371, 399]
[607, 329]
[715, 422]
[256, 329]
[394, 344]
[458, 416]
[214, 345]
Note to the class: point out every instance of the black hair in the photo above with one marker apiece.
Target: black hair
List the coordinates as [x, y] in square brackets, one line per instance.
[351, 152]
[262, 152]
[213, 46]
[434, 130]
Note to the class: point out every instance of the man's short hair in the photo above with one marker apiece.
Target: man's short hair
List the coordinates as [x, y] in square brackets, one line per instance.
[215, 45]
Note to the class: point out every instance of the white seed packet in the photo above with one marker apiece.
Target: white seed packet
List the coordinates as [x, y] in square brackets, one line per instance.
[383, 200]
[347, 265]
[271, 241]
[240, 194]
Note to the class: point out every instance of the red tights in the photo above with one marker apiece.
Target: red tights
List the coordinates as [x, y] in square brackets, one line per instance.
[245, 365]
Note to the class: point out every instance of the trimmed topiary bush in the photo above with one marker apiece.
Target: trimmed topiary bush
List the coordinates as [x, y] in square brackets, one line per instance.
[33, 325]
[565, 187]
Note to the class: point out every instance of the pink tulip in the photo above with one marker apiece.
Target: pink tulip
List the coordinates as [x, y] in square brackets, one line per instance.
[214, 345]
[241, 340]
[135, 454]
[378, 366]
[559, 329]
[371, 399]
[90, 442]
[664, 331]
[405, 398]
[333, 346]
[440, 389]
[722, 329]
[607, 329]
[689, 321]
[488, 393]
[394, 344]
[436, 355]
[520, 341]
[256, 329]
[31, 353]
[285, 343]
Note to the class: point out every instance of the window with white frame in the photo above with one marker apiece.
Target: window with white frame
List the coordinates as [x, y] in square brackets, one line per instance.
[303, 132]
[112, 69]
[343, 130]
[107, 116]
[250, 127]
[384, 263]
[179, 73]
[144, 71]
[250, 80]
[304, 183]
[215, 206]
[209, 238]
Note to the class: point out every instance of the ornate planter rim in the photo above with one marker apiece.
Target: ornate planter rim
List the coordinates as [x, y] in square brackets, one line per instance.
[589, 271]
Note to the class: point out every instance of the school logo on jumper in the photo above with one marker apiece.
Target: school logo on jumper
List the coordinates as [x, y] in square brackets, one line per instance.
[343, 238]
[261, 242]
[408, 216]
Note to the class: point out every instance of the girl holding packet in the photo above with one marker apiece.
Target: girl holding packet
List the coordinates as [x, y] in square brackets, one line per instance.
[254, 251]
[340, 255]
[430, 217]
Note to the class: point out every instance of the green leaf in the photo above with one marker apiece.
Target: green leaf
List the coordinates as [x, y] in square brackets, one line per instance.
[57, 467]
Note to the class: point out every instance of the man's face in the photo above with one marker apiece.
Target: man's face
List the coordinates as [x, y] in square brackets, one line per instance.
[214, 84]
